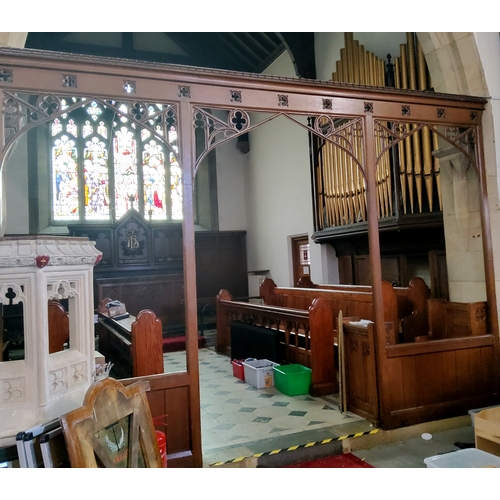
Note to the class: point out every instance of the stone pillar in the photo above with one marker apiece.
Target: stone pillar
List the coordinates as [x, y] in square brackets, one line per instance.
[462, 226]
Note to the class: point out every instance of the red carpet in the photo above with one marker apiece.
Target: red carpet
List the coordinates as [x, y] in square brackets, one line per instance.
[345, 461]
[173, 344]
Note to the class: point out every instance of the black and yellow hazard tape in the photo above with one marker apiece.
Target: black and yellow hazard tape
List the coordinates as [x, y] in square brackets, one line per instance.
[292, 448]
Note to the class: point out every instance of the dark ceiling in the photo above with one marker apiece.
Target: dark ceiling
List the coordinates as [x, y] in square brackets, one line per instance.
[245, 52]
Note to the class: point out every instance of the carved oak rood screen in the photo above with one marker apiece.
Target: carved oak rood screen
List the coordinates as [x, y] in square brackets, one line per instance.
[33, 83]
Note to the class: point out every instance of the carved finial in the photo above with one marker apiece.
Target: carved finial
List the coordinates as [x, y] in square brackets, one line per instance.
[389, 72]
[102, 371]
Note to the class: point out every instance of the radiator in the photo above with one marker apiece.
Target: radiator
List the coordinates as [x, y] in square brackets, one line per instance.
[250, 341]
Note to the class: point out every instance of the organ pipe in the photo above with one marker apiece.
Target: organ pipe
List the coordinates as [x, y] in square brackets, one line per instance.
[342, 186]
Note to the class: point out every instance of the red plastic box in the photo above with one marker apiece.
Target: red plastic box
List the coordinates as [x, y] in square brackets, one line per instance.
[238, 369]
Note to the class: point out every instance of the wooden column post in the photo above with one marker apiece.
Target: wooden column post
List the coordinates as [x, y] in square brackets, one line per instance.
[374, 246]
[187, 160]
[489, 269]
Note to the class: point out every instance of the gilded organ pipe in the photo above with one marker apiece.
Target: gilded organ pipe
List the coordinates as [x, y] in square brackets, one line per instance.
[426, 133]
[332, 200]
[401, 144]
[326, 188]
[407, 141]
[412, 164]
[437, 171]
[417, 160]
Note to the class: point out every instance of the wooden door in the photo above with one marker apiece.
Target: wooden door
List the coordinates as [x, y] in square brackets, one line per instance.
[301, 258]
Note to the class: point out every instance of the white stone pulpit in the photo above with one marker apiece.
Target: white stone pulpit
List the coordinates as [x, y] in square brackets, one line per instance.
[41, 386]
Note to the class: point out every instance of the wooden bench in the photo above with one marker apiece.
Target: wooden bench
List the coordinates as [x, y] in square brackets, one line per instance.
[352, 301]
[133, 345]
[305, 336]
[58, 320]
[397, 385]
[303, 341]
[412, 318]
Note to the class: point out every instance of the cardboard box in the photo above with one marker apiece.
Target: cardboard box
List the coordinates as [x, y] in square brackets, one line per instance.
[487, 430]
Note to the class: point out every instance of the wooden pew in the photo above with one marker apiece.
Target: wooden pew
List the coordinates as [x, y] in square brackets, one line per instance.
[397, 385]
[305, 335]
[58, 326]
[412, 319]
[456, 319]
[352, 300]
[133, 345]
[282, 304]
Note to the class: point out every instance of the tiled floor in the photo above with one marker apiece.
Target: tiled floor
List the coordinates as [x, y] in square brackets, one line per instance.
[239, 420]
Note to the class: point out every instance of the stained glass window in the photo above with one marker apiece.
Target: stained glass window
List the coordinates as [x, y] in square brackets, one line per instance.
[95, 167]
[153, 168]
[175, 177]
[103, 164]
[125, 170]
[65, 179]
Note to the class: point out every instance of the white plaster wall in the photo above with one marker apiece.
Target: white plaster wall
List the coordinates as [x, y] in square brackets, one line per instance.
[16, 191]
[278, 192]
[278, 183]
[231, 167]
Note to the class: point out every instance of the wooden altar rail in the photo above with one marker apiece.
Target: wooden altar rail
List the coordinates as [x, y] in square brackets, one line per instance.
[133, 345]
[412, 317]
[406, 384]
[306, 336]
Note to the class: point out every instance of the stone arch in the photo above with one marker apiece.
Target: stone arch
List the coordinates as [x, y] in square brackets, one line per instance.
[13, 39]
[454, 63]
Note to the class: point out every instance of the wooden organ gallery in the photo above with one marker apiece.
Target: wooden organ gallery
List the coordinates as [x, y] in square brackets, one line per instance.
[386, 161]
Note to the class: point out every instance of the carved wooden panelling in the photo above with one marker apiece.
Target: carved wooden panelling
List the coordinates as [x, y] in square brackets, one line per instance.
[142, 265]
[162, 294]
[167, 246]
[132, 241]
[103, 242]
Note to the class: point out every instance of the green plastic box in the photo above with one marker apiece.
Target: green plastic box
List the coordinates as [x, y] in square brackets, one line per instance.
[292, 380]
